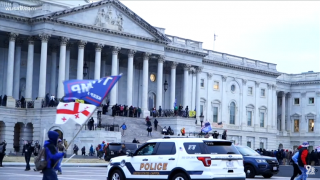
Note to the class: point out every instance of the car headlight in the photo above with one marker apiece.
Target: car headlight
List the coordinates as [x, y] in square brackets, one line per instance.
[261, 161]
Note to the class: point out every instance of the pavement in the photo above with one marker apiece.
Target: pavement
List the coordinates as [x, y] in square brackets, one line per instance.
[74, 173]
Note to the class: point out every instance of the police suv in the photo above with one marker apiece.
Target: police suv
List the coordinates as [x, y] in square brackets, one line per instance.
[181, 158]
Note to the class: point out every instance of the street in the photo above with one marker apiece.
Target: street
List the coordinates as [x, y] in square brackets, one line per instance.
[70, 173]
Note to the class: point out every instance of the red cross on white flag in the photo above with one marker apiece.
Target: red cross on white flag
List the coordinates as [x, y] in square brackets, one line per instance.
[78, 112]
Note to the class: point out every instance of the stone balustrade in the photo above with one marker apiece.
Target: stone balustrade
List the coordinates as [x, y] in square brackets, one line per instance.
[177, 41]
[237, 60]
[309, 76]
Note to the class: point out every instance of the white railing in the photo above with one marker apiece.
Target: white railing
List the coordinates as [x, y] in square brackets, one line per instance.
[310, 76]
[185, 42]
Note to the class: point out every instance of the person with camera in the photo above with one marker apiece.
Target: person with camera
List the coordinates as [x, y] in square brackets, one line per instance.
[2, 151]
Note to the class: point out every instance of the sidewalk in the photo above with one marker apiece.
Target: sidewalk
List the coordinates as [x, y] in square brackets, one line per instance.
[20, 164]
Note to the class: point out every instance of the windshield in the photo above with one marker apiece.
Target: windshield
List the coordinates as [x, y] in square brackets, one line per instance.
[131, 147]
[223, 147]
[246, 151]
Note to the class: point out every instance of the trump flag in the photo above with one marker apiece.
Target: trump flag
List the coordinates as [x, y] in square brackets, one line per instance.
[78, 112]
[206, 127]
[91, 91]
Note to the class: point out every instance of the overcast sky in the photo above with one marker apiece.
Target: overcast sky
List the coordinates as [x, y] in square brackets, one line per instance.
[285, 33]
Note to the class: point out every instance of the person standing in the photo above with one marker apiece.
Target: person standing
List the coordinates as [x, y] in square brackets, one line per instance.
[302, 160]
[139, 112]
[83, 150]
[91, 150]
[149, 129]
[75, 149]
[224, 135]
[2, 151]
[123, 127]
[155, 122]
[27, 150]
[160, 110]
[123, 150]
[294, 160]
[52, 156]
[36, 149]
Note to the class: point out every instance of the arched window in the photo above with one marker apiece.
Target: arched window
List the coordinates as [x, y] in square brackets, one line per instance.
[232, 113]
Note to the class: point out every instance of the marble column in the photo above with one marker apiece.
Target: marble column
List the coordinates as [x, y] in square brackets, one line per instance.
[62, 68]
[81, 45]
[53, 70]
[269, 110]
[257, 105]
[97, 64]
[114, 72]
[43, 65]
[274, 107]
[186, 93]
[173, 85]
[130, 77]
[224, 103]
[283, 112]
[145, 83]
[10, 100]
[103, 67]
[209, 112]
[17, 64]
[198, 71]
[244, 121]
[67, 61]
[29, 77]
[160, 81]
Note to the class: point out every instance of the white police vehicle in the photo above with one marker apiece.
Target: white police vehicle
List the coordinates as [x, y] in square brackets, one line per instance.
[181, 158]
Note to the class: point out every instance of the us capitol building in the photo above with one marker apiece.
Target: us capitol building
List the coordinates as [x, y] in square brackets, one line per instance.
[43, 43]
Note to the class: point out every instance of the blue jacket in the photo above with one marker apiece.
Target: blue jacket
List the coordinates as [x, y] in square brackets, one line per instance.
[52, 155]
[295, 157]
[102, 146]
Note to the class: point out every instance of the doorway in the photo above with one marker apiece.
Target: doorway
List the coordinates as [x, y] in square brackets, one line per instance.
[152, 100]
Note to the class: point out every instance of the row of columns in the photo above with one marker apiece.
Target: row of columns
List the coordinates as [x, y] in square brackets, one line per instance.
[64, 65]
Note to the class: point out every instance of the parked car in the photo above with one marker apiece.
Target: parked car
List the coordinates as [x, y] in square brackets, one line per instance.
[255, 164]
[112, 149]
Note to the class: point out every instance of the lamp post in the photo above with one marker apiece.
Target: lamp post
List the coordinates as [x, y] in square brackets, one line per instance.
[165, 88]
[85, 69]
[201, 119]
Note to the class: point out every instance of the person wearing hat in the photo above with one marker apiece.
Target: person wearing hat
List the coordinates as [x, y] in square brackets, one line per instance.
[296, 169]
[302, 160]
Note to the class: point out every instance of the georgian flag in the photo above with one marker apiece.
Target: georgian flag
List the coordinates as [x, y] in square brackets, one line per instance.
[78, 112]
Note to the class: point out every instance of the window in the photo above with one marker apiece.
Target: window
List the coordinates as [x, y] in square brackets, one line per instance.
[261, 119]
[192, 148]
[296, 101]
[296, 125]
[202, 83]
[249, 116]
[146, 150]
[166, 148]
[232, 113]
[216, 85]
[215, 114]
[233, 88]
[311, 100]
[311, 125]
[220, 147]
[261, 145]
[249, 144]
[249, 90]
[263, 92]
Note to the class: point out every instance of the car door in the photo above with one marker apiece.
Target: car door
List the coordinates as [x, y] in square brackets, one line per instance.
[139, 164]
[164, 160]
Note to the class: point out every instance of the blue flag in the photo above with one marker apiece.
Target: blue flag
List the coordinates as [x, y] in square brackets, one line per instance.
[91, 91]
[206, 128]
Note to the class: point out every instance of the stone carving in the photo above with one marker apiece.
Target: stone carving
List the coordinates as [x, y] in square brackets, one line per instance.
[161, 58]
[109, 18]
[99, 47]
[257, 84]
[115, 50]
[174, 65]
[31, 39]
[44, 37]
[186, 67]
[19, 42]
[131, 53]
[64, 41]
[244, 81]
[269, 86]
[146, 56]
[209, 75]
[303, 93]
[81, 44]
[199, 69]
[274, 86]
[13, 36]
[224, 78]
[318, 93]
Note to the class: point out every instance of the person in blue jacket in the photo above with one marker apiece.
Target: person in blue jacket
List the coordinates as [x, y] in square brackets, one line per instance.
[52, 156]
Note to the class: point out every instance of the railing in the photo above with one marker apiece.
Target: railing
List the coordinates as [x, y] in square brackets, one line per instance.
[309, 76]
[185, 42]
[213, 55]
[170, 113]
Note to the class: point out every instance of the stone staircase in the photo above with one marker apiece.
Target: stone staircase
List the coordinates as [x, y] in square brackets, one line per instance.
[136, 128]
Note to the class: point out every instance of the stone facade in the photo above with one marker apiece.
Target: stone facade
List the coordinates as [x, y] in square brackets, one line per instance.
[42, 48]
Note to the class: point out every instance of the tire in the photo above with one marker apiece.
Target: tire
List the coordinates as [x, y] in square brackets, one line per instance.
[267, 175]
[180, 176]
[249, 170]
[117, 175]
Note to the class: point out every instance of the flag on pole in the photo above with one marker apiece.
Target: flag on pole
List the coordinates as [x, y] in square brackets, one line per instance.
[91, 91]
[217, 125]
[206, 127]
[78, 112]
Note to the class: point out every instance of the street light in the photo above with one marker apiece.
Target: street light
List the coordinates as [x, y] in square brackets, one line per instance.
[85, 69]
[201, 119]
[165, 85]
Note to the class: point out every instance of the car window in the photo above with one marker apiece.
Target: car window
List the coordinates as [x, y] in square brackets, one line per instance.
[220, 147]
[246, 151]
[192, 148]
[166, 148]
[146, 149]
[114, 147]
[131, 146]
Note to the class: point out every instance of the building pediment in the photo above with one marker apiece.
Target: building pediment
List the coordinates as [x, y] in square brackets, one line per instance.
[108, 16]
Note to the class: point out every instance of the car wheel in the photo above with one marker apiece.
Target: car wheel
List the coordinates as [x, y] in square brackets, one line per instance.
[180, 176]
[117, 175]
[267, 175]
[249, 170]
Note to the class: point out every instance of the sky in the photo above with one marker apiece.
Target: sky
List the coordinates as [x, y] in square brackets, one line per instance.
[285, 33]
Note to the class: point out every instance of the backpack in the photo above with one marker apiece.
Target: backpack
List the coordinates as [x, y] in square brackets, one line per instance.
[40, 161]
[124, 127]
